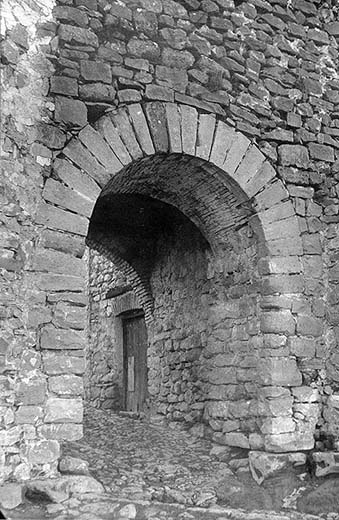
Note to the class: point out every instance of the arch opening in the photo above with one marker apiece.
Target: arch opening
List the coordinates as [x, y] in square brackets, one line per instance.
[193, 248]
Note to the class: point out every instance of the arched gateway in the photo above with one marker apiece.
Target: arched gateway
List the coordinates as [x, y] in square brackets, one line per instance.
[196, 231]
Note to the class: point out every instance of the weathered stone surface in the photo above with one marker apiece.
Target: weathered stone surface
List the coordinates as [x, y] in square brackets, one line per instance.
[32, 391]
[64, 85]
[57, 218]
[60, 195]
[55, 363]
[278, 322]
[28, 414]
[95, 71]
[72, 34]
[285, 442]
[62, 432]
[51, 136]
[56, 262]
[63, 410]
[97, 92]
[266, 465]
[59, 339]
[73, 465]
[80, 484]
[236, 439]
[66, 385]
[59, 282]
[11, 495]
[280, 371]
[42, 452]
[70, 111]
[51, 490]
[294, 155]
[326, 463]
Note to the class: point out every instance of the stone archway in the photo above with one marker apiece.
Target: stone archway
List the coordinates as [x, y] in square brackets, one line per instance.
[131, 134]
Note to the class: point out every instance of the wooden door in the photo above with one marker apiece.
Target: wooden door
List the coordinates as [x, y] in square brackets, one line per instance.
[135, 362]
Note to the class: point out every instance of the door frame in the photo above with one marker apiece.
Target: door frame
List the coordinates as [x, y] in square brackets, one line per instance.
[125, 316]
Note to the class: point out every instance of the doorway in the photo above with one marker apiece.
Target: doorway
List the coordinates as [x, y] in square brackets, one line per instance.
[134, 361]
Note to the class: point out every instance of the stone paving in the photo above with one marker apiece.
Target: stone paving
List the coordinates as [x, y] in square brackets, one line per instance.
[156, 472]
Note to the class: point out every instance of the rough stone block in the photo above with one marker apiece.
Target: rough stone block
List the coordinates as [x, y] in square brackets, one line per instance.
[11, 495]
[57, 218]
[302, 347]
[276, 425]
[159, 93]
[325, 463]
[236, 439]
[62, 432]
[281, 322]
[73, 465]
[129, 95]
[293, 441]
[72, 34]
[66, 385]
[70, 316]
[28, 414]
[10, 436]
[54, 490]
[280, 371]
[266, 465]
[42, 452]
[55, 364]
[64, 85]
[306, 394]
[70, 111]
[32, 391]
[309, 326]
[217, 409]
[50, 135]
[293, 155]
[71, 15]
[95, 71]
[321, 152]
[174, 78]
[97, 92]
[59, 282]
[60, 410]
[57, 262]
[61, 339]
[279, 283]
[222, 376]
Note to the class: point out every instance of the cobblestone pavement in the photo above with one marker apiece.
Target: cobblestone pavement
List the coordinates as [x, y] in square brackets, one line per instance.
[152, 472]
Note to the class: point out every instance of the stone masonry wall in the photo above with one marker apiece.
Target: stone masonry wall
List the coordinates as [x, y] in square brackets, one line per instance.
[204, 348]
[270, 69]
